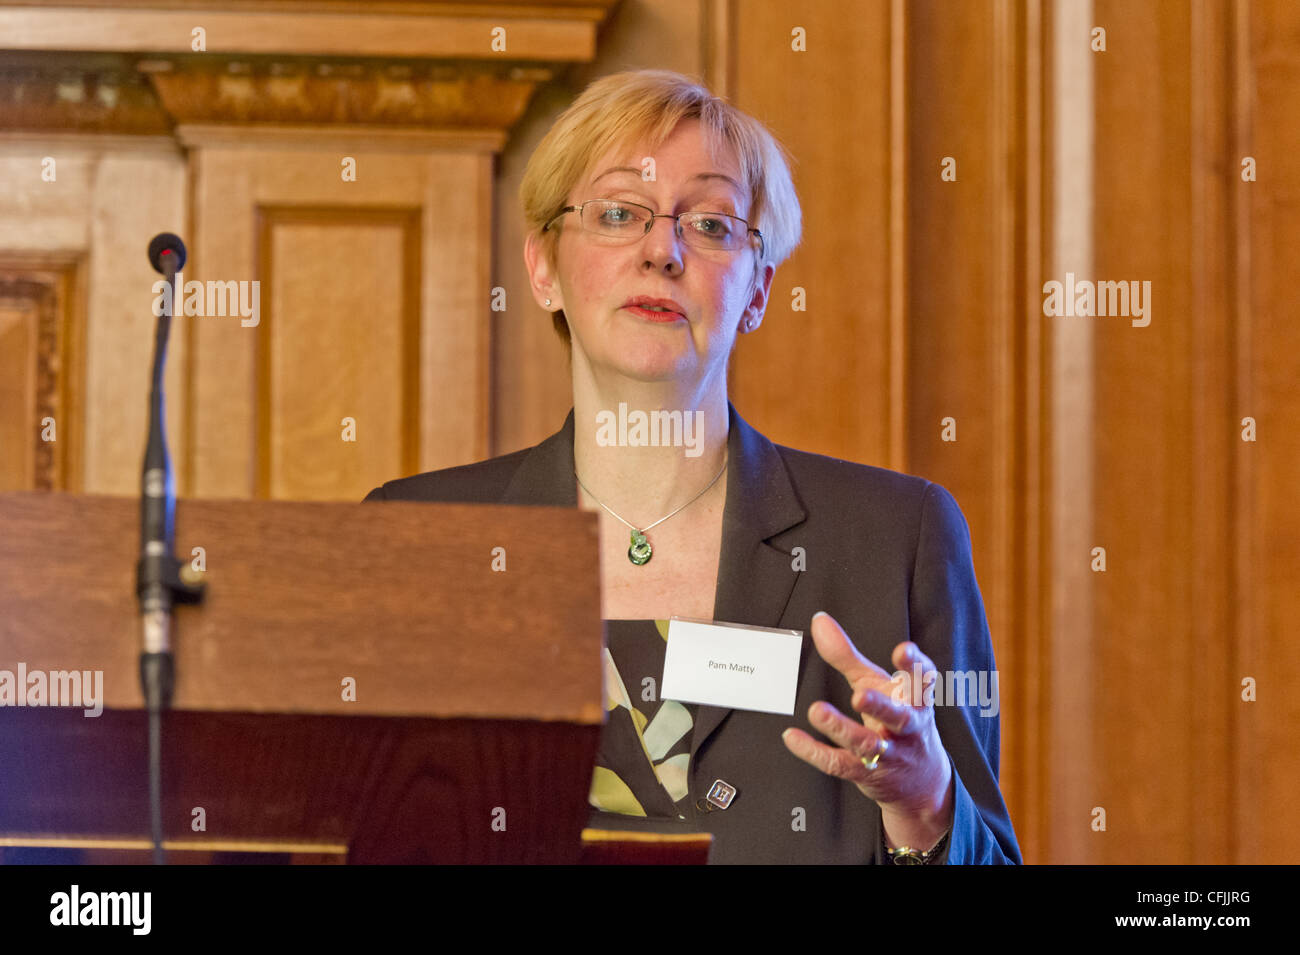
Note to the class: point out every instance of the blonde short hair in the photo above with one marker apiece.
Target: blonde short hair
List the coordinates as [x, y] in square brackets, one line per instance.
[646, 106]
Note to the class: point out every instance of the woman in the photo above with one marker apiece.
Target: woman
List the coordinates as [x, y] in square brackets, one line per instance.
[658, 214]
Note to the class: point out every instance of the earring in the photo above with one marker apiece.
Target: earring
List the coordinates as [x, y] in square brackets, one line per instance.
[548, 303]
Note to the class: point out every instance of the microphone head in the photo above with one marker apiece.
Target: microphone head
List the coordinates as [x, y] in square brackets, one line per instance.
[165, 243]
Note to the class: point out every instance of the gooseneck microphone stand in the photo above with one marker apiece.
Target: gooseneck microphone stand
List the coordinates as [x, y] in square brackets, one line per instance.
[158, 581]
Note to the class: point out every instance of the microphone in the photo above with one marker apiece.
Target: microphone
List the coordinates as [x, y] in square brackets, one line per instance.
[157, 567]
[158, 581]
[165, 243]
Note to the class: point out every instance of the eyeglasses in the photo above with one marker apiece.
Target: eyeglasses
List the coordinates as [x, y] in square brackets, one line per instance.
[625, 222]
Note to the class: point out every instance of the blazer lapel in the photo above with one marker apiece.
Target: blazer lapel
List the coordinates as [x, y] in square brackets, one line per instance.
[545, 477]
[755, 579]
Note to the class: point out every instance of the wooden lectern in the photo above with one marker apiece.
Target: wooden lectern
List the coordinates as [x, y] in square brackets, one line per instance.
[394, 683]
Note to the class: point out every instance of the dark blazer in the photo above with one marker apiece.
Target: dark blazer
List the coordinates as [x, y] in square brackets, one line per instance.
[886, 554]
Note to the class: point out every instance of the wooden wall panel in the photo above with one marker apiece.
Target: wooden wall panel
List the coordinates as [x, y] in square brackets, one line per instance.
[820, 379]
[1144, 514]
[448, 184]
[1058, 693]
[970, 365]
[1266, 515]
[1214, 241]
[340, 341]
[1142, 450]
[109, 197]
[20, 321]
[1201, 524]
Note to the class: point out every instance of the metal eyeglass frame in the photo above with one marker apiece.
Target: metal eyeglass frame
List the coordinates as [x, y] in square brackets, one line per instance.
[649, 223]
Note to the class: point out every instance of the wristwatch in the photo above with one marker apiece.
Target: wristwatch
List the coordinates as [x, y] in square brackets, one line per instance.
[905, 856]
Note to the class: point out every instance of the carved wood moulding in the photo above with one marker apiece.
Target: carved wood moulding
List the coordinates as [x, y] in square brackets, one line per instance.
[147, 67]
[42, 286]
[533, 30]
[94, 94]
[303, 91]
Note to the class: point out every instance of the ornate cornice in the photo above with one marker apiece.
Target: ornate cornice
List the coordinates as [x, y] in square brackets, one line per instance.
[531, 30]
[91, 95]
[424, 95]
[283, 63]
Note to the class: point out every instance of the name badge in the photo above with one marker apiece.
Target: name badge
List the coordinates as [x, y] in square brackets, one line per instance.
[732, 665]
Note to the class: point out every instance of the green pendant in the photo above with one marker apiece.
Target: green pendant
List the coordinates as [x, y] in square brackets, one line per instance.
[640, 551]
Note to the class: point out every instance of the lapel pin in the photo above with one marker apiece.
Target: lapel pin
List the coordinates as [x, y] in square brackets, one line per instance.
[721, 794]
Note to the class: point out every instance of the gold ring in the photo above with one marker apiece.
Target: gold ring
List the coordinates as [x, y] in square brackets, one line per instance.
[882, 747]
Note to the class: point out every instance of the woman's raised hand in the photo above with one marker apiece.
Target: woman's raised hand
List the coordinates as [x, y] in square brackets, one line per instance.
[894, 754]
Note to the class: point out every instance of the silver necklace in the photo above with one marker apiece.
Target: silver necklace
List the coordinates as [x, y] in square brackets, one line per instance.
[640, 550]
